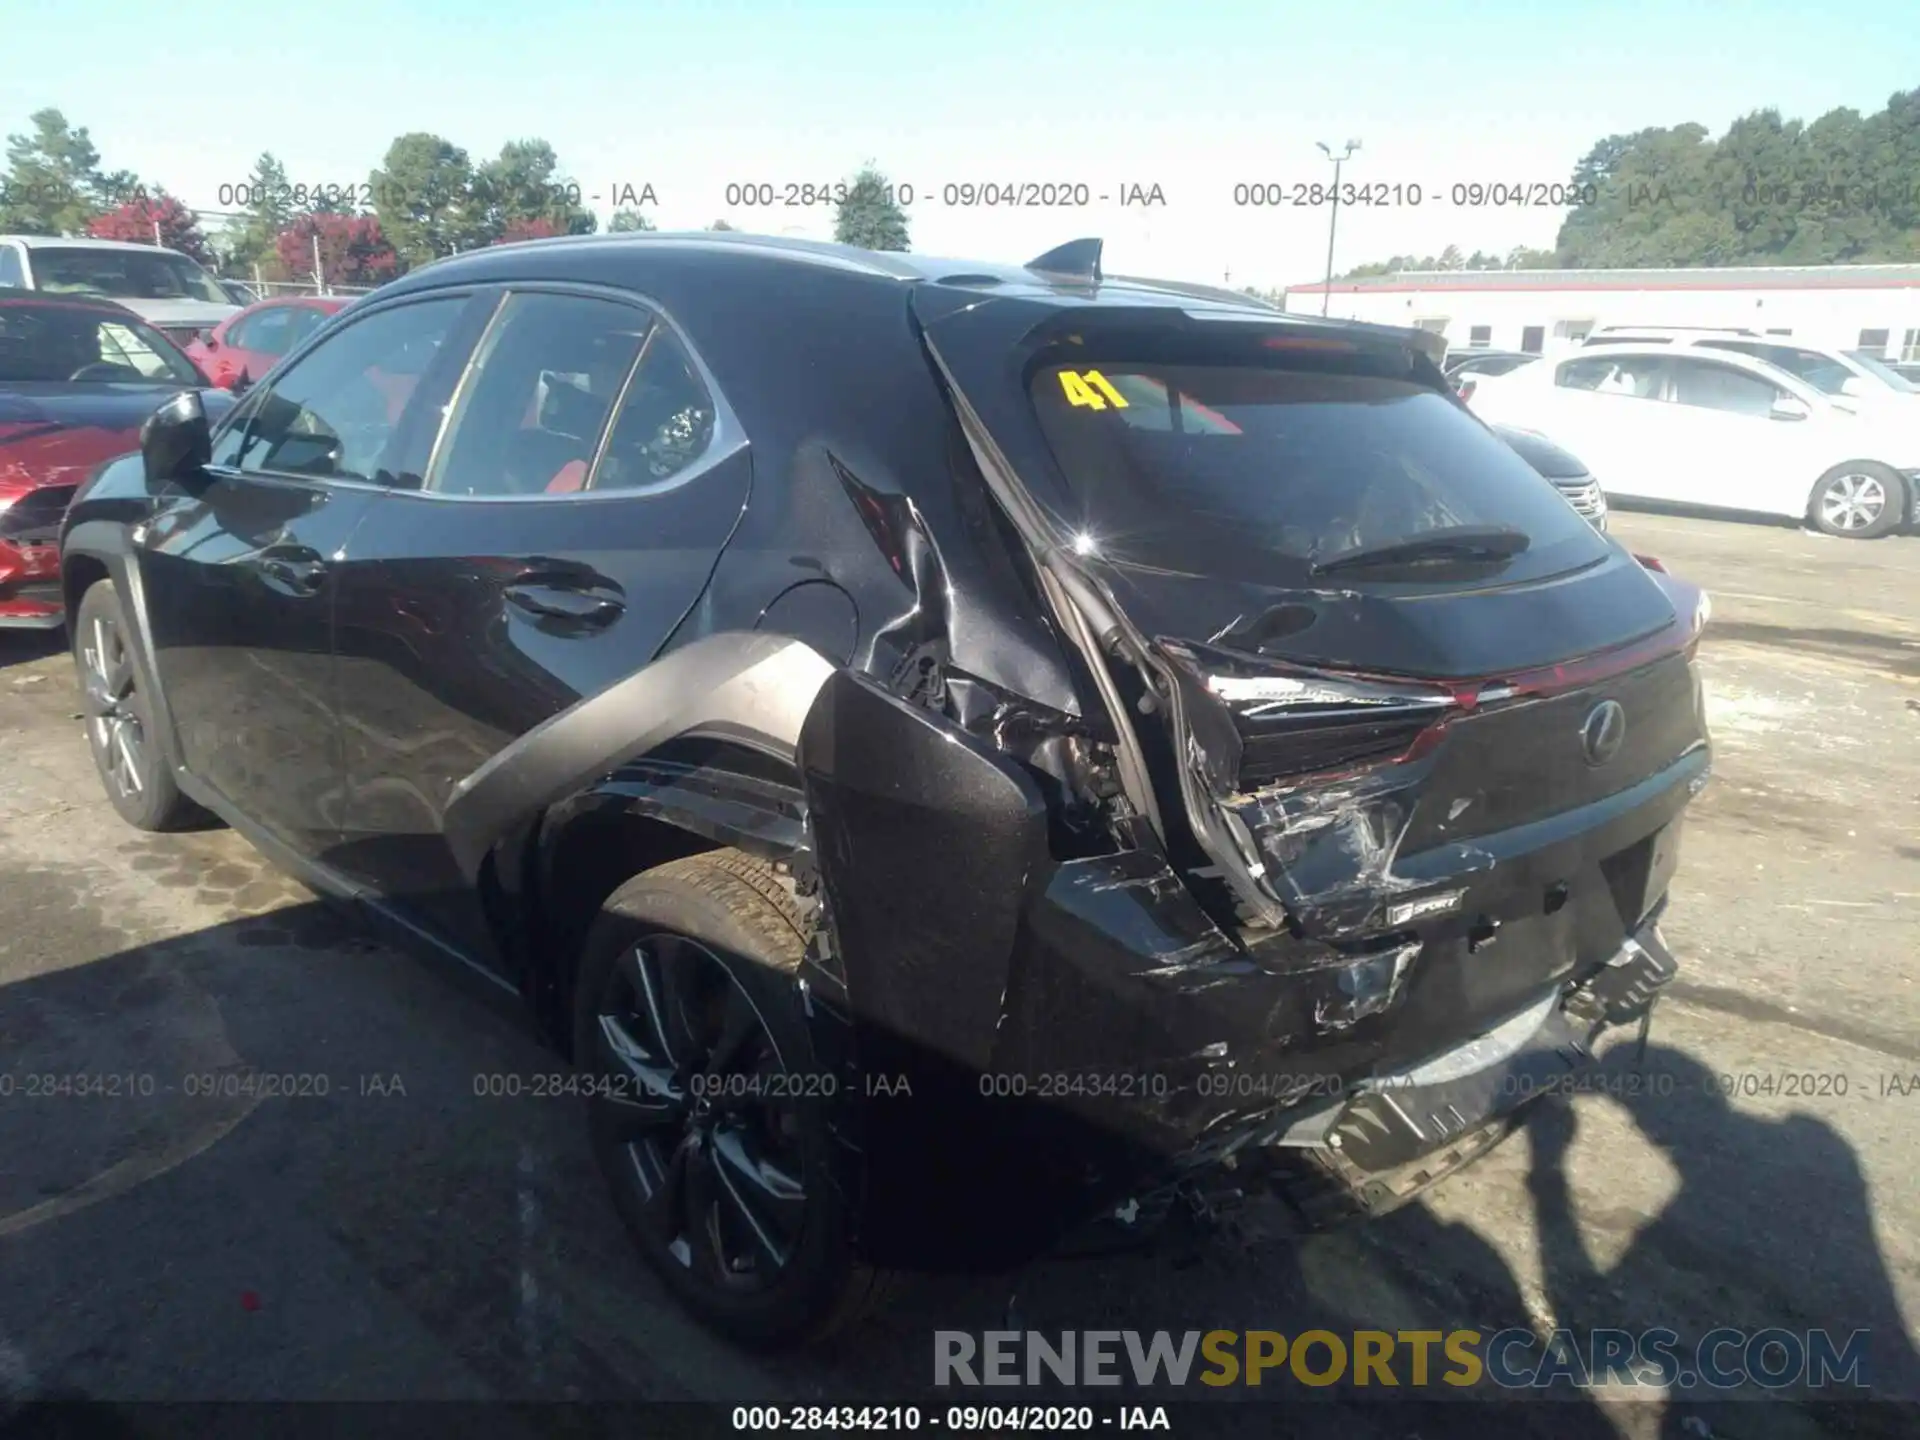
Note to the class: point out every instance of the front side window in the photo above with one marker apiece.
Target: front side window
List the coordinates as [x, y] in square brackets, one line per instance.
[333, 414]
[1706, 386]
[1884, 372]
[1822, 372]
[1274, 468]
[123, 274]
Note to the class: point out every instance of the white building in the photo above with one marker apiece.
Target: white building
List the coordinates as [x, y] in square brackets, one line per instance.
[1847, 307]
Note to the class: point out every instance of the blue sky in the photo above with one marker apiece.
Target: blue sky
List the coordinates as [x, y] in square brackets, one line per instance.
[689, 95]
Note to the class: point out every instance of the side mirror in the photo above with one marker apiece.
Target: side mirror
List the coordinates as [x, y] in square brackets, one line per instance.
[1787, 407]
[177, 441]
[1855, 388]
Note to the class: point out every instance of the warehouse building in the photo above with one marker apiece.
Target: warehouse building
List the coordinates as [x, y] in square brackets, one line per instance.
[1848, 307]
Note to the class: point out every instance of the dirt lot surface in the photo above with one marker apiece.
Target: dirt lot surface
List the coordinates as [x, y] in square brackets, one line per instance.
[399, 1237]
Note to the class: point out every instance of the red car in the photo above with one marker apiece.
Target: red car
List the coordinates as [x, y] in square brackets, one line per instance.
[78, 377]
[243, 347]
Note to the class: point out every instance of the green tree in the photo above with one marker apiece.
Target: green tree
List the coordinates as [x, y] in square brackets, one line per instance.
[265, 211]
[53, 184]
[524, 185]
[624, 221]
[870, 217]
[424, 197]
[1653, 204]
[719, 225]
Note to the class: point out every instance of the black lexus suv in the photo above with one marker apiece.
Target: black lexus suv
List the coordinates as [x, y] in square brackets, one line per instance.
[964, 757]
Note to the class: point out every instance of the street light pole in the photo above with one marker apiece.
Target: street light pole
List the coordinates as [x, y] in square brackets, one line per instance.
[1326, 290]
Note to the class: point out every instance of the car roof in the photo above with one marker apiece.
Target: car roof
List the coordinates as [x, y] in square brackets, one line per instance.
[1684, 338]
[62, 242]
[604, 258]
[1674, 330]
[44, 298]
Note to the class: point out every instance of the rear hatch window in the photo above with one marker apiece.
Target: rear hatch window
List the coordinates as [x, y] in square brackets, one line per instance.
[1284, 469]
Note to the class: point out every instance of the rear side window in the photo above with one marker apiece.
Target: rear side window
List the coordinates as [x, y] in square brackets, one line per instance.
[665, 421]
[264, 331]
[556, 375]
[530, 417]
[1258, 473]
[12, 273]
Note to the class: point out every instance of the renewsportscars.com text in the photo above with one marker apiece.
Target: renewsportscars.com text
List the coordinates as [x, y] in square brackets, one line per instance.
[1511, 1359]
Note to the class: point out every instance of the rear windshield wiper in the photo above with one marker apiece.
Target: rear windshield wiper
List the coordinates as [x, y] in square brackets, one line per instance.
[1454, 543]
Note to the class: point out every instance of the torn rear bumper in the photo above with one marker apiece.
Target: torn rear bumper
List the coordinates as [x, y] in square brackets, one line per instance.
[1026, 1040]
[1391, 1120]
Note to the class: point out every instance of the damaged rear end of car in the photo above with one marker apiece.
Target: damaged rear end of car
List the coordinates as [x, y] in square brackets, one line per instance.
[1363, 832]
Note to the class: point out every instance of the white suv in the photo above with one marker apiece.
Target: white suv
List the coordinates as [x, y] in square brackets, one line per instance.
[1693, 425]
[163, 287]
[1857, 382]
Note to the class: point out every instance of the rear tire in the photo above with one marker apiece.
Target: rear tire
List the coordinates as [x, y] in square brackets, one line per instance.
[121, 729]
[1860, 500]
[710, 1131]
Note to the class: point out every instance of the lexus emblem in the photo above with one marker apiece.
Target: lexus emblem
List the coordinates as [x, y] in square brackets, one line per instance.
[1603, 731]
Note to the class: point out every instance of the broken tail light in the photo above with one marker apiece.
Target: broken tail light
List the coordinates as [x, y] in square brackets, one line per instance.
[1302, 722]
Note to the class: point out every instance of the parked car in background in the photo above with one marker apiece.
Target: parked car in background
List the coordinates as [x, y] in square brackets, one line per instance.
[168, 290]
[1563, 469]
[1693, 426]
[1858, 382]
[1484, 360]
[77, 378]
[244, 346]
[1905, 370]
[843, 694]
[1466, 368]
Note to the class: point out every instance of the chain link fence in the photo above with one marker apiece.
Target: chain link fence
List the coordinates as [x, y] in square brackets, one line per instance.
[273, 289]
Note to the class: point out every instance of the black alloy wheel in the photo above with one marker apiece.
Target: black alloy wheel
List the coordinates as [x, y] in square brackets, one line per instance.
[696, 1099]
[708, 1121]
[120, 718]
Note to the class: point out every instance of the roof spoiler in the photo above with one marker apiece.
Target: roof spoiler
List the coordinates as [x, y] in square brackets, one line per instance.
[1077, 258]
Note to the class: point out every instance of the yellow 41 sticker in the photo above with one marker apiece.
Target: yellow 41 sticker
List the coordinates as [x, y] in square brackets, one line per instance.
[1091, 389]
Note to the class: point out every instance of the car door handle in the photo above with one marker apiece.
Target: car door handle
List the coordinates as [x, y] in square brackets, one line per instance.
[292, 570]
[560, 602]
